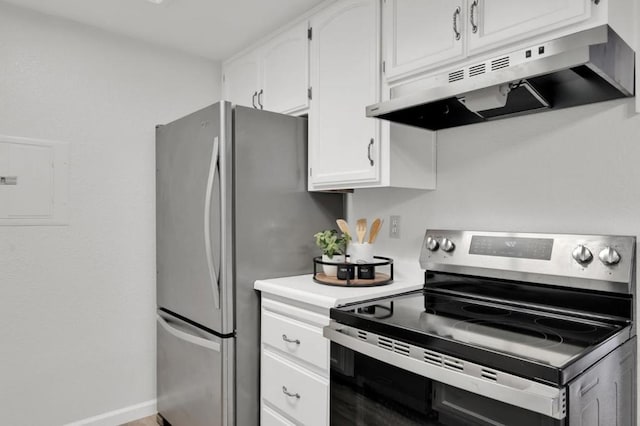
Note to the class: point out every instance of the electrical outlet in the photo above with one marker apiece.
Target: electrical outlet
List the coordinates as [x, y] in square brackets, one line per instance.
[394, 227]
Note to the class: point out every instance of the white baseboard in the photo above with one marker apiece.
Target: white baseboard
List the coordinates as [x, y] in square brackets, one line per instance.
[120, 416]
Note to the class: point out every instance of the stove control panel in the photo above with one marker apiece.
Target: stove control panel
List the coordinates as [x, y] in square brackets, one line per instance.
[567, 260]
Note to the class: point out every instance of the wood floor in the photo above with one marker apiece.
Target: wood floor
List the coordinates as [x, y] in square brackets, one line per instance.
[147, 421]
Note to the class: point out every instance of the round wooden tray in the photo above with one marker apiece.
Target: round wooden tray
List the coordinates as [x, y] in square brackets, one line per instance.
[379, 278]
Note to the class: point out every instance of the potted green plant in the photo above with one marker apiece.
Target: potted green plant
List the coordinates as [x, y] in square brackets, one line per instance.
[334, 247]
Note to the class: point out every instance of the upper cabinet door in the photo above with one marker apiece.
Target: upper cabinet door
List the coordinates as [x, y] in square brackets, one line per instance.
[285, 72]
[498, 22]
[345, 69]
[241, 80]
[421, 34]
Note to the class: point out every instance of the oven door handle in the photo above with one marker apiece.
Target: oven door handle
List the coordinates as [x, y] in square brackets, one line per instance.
[518, 391]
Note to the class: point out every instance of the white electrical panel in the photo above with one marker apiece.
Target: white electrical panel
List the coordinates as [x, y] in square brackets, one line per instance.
[33, 181]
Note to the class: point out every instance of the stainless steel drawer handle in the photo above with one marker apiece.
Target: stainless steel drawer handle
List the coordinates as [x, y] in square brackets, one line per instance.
[456, 15]
[292, 395]
[472, 12]
[286, 339]
[260, 99]
[369, 151]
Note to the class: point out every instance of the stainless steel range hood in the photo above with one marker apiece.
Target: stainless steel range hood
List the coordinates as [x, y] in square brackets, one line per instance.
[591, 66]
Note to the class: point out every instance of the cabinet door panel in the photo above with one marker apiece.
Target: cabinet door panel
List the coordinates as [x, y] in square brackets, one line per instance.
[295, 391]
[421, 34]
[285, 71]
[343, 142]
[504, 21]
[241, 80]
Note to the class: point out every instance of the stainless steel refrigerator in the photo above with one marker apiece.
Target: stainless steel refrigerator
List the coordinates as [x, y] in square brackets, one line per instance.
[232, 207]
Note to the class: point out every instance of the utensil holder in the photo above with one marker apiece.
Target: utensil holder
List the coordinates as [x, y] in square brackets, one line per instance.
[360, 252]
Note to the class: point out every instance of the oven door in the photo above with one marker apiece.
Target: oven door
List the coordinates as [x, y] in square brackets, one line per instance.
[368, 390]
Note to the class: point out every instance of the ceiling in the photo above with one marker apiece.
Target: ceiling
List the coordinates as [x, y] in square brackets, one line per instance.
[214, 29]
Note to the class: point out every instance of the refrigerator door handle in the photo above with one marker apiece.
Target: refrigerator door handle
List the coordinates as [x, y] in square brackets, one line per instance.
[187, 337]
[213, 167]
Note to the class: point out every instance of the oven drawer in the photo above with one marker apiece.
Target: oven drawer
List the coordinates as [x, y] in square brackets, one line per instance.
[295, 391]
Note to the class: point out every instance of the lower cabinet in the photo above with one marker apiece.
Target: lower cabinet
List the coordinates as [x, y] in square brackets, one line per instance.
[294, 364]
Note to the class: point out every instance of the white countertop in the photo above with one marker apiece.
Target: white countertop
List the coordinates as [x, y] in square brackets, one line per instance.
[303, 289]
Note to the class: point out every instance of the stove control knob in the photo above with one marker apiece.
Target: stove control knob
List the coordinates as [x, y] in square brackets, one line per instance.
[582, 254]
[447, 245]
[432, 244]
[609, 256]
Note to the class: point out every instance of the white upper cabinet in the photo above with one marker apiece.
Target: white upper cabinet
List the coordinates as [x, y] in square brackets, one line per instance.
[285, 71]
[419, 34]
[344, 145]
[241, 79]
[274, 76]
[492, 23]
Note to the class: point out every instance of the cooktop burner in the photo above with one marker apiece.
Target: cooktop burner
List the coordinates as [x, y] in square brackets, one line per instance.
[479, 330]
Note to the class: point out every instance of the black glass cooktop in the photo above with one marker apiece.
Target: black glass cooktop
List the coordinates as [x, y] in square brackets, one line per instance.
[524, 341]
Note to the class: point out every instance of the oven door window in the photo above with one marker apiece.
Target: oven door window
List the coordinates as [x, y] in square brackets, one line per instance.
[365, 391]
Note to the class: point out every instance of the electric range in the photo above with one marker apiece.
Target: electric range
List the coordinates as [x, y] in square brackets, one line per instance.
[508, 326]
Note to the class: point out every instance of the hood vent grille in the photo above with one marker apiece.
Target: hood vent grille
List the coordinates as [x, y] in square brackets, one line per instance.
[456, 76]
[497, 64]
[477, 70]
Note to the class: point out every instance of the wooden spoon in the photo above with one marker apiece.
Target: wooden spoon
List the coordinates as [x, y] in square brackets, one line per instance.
[344, 227]
[361, 229]
[375, 228]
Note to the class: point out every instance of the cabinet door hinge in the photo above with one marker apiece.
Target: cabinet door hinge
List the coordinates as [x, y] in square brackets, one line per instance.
[310, 171]
[310, 33]
[384, 67]
[224, 78]
[310, 93]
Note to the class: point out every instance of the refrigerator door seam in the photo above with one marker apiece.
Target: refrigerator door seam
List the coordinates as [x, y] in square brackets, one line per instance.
[188, 337]
[207, 223]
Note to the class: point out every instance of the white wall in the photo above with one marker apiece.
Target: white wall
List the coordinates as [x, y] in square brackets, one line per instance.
[77, 331]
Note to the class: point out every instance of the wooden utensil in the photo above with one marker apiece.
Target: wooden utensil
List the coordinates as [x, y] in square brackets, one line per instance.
[375, 228]
[344, 227]
[361, 229]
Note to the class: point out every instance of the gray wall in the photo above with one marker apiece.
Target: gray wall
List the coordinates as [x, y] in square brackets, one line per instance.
[572, 171]
[77, 302]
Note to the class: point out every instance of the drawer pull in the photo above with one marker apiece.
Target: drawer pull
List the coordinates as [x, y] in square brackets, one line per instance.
[456, 15]
[286, 339]
[292, 395]
[472, 12]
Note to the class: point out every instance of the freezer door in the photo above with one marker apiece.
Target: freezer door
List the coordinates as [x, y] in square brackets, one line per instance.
[194, 374]
[189, 195]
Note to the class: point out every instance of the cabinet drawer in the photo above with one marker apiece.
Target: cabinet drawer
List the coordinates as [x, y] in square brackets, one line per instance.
[294, 390]
[303, 341]
[271, 418]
